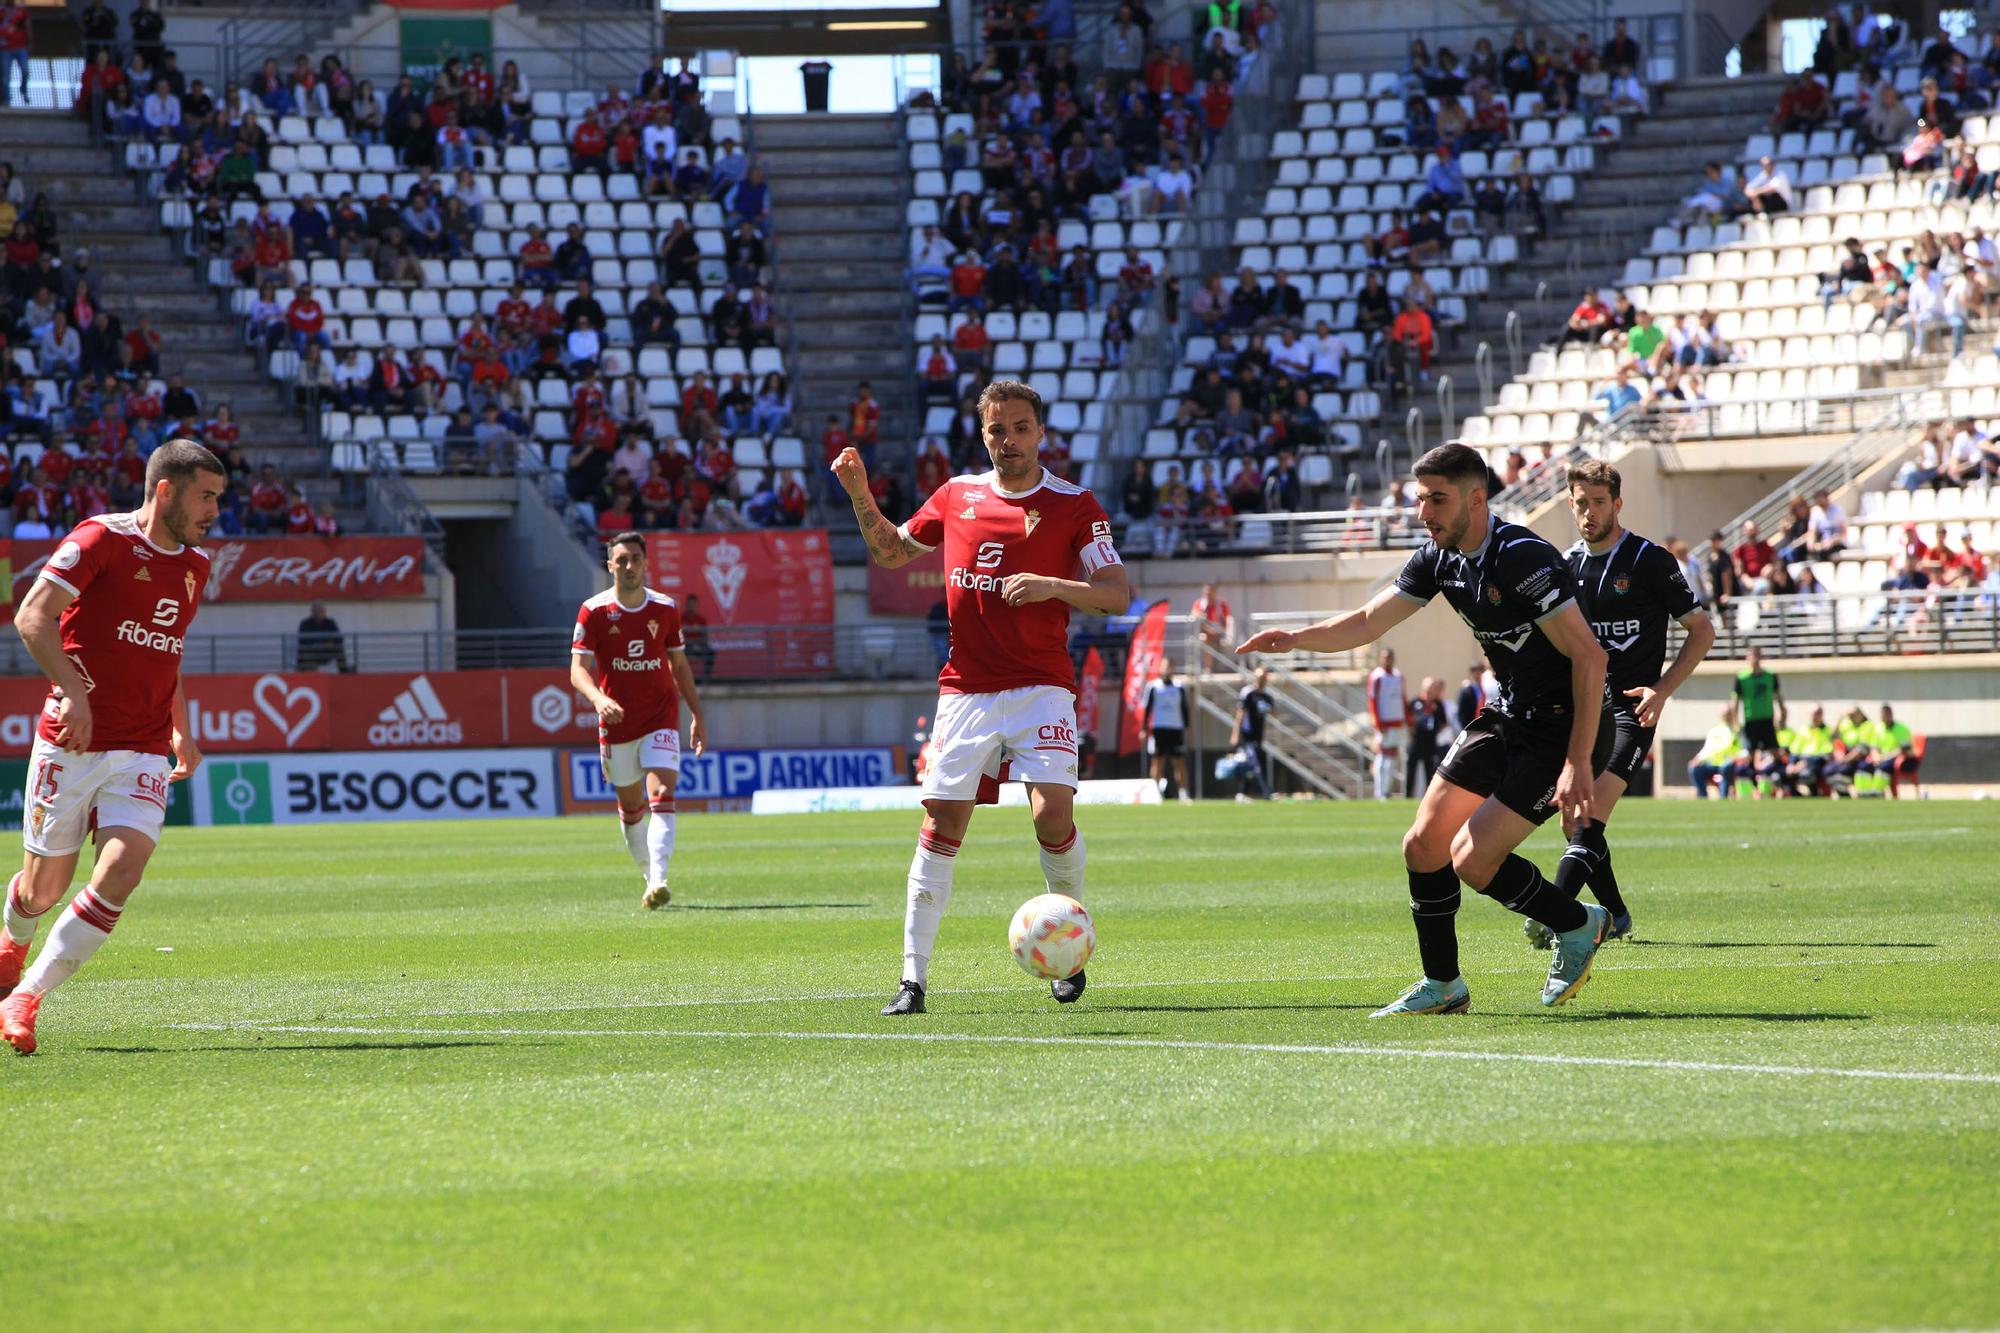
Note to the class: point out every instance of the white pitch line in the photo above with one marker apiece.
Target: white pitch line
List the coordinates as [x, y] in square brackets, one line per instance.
[1156, 1043]
[612, 1006]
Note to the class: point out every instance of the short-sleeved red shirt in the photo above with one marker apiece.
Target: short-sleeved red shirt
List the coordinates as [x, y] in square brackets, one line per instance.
[126, 629]
[629, 647]
[1055, 529]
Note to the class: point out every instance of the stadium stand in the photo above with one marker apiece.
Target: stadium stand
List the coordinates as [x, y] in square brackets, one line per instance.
[575, 268]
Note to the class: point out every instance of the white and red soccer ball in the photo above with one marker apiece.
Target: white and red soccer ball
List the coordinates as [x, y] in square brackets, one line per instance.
[1052, 936]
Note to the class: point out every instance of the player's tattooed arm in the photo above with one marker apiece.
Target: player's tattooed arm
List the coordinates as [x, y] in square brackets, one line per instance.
[886, 542]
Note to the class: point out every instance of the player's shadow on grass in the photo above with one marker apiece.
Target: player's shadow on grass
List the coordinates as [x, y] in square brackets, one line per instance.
[771, 907]
[1785, 944]
[259, 1048]
[1627, 1015]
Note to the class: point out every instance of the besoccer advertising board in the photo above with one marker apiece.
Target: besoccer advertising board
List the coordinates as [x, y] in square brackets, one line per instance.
[368, 788]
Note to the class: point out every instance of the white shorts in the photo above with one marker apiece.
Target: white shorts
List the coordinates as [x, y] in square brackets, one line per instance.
[628, 761]
[1031, 730]
[125, 788]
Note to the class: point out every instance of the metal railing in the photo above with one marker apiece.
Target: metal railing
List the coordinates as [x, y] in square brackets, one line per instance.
[1926, 622]
[1834, 472]
[883, 651]
[1335, 531]
[1316, 743]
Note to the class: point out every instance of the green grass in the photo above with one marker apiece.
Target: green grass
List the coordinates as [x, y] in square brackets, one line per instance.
[421, 1076]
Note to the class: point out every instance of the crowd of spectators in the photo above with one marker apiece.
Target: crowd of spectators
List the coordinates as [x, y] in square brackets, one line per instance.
[1048, 137]
[618, 469]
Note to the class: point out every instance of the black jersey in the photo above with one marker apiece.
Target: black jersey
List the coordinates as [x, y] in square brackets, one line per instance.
[1629, 593]
[1503, 591]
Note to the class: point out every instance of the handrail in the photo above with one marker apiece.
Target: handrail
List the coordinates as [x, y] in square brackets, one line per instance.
[1413, 434]
[1482, 361]
[1834, 472]
[1513, 334]
[1877, 622]
[1447, 408]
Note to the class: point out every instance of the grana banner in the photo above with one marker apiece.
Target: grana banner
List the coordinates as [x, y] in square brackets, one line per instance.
[281, 569]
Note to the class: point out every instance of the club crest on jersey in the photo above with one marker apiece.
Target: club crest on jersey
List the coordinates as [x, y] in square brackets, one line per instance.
[189, 577]
[653, 628]
[1622, 584]
[1493, 594]
[1031, 520]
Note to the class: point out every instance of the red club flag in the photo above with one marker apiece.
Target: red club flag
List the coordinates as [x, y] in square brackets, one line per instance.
[1142, 664]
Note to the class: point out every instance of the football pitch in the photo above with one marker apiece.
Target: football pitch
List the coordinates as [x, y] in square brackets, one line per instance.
[418, 1076]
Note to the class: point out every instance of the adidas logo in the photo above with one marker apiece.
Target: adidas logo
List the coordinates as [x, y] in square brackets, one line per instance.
[417, 717]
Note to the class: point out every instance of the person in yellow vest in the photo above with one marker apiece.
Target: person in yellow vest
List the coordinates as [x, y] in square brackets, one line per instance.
[1812, 749]
[1718, 754]
[1851, 768]
[1895, 753]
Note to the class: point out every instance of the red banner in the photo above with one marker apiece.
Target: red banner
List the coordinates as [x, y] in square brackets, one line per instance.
[276, 712]
[764, 599]
[282, 569]
[1142, 664]
[1089, 685]
[911, 590]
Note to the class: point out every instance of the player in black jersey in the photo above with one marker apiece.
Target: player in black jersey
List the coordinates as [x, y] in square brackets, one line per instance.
[1630, 589]
[1528, 755]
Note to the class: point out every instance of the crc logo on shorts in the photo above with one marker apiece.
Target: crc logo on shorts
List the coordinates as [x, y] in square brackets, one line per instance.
[1057, 733]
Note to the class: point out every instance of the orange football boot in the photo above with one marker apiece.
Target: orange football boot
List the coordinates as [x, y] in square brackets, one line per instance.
[17, 1021]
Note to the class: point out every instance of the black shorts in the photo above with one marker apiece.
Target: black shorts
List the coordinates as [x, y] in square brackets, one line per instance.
[1166, 742]
[1517, 761]
[1630, 743]
[1760, 735]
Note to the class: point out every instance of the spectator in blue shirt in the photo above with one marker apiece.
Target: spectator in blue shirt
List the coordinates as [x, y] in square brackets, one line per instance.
[312, 234]
[1620, 397]
[1444, 183]
[752, 201]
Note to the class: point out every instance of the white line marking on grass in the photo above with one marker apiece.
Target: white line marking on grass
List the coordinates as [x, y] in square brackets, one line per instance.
[1158, 1043]
[609, 1006]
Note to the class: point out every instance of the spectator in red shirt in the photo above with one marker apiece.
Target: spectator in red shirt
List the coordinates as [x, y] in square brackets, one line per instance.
[933, 468]
[268, 503]
[831, 441]
[538, 262]
[306, 319]
[222, 432]
[324, 523]
[971, 343]
[1802, 108]
[968, 283]
[791, 511]
[39, 498]
[299, 515]
[1753, 557]
[546, 318]
[1588, 321]
[697, 400]
[940, 374]
[1216, 104]
[16, 36]
[617, 517]
[864, 420]
[55, 467]
[511, 315]
[587, 146]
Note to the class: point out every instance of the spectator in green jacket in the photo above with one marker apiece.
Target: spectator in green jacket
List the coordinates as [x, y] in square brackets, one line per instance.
[1812, 750]
[1895, 753]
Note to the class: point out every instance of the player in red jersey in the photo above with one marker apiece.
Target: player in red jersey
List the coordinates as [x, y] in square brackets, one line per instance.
[627, 657]
[1014, 540]
[106, 621]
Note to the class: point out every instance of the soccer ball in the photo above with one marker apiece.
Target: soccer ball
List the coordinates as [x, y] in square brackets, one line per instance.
[1052, 936]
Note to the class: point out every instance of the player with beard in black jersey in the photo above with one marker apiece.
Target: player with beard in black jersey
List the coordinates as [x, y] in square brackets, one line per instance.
[1531, 753]
[1630, 589]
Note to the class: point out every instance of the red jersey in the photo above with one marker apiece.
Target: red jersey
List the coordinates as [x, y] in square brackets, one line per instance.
[305, 316]
[1054, 529]
[629, 647]
[126, 629]
[512, 314]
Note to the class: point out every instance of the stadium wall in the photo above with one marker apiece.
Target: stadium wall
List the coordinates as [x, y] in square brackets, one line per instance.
[1954, 702]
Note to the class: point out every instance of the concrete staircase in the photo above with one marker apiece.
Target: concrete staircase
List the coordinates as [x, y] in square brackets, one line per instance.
[837, 213]
[134, 271]
[1638, 183]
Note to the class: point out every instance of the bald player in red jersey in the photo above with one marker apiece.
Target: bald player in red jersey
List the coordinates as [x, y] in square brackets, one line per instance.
[628, 658]
[106, 621]
[1021, 547]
